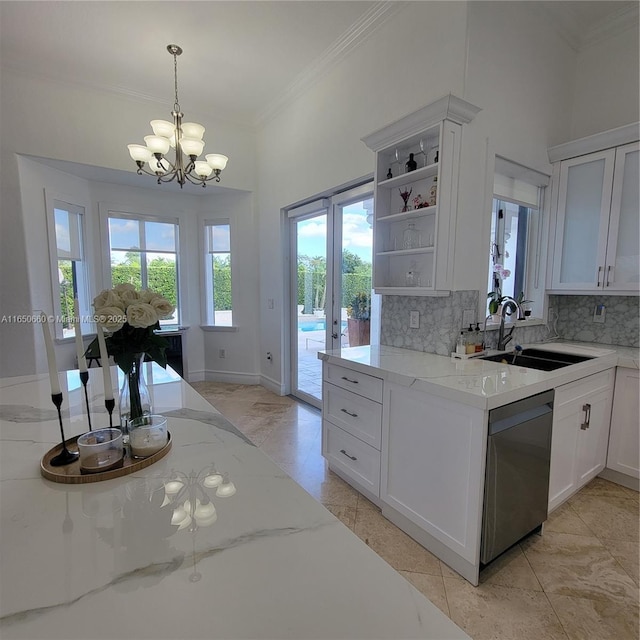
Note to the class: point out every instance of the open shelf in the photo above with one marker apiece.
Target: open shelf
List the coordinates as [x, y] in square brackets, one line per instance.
[405, 178]
[406, 215]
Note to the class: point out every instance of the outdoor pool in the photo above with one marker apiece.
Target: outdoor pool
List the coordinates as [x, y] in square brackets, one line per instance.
[316, 324]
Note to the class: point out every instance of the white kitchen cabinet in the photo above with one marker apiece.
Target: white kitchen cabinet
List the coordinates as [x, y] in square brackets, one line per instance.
[581, 417]
[597, 223]
[352, 426]
[624, 437]
[433, 135]
[432, 473]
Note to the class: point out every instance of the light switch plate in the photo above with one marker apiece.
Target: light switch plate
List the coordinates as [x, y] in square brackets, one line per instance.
[598, 313]
[414, 319]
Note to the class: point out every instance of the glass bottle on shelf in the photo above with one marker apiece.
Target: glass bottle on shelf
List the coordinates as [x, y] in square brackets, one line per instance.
[412, 277]
[411, 164]
[411, 237]
[389, 174]
[433, 192]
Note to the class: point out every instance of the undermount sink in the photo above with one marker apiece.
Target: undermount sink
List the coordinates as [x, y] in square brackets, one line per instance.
[538, 359]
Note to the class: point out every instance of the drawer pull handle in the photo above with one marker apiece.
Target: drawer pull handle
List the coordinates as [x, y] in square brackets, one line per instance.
[598, 277]
[353, 415]
[351, 381]
[348, 456]
[587, 416]
[608, 275]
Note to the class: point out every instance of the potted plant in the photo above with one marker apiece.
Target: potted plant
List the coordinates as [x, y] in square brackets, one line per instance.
[495, 305]
[358, 319]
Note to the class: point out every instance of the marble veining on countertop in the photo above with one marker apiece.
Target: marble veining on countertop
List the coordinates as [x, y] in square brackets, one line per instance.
[107, 559]
[480, 383]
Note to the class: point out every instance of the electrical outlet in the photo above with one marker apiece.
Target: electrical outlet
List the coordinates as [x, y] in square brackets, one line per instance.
[468, 317]
[222, 353]
[598, 313]
[414, 319]
[269, 355]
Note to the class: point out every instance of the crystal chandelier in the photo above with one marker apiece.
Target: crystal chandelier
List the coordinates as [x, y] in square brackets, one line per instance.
[186, 138]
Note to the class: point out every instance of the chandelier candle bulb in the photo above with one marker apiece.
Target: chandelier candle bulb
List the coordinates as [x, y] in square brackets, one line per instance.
[51, 355]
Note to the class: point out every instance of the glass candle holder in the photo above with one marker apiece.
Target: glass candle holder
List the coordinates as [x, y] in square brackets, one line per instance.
[147, 435]
[100, 450]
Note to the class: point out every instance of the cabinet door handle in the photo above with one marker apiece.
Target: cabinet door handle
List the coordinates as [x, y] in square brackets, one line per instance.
[587, 416]
[353, 415]
[348, 456]
[598, 278]
[351, 381]
[608, 275]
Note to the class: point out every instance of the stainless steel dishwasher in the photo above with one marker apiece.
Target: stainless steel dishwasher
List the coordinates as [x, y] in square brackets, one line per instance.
[516, 490]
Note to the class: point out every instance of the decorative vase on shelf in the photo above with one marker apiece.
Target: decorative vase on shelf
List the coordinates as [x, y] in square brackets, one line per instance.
[405, 195]
[135, 400]
[411, 237]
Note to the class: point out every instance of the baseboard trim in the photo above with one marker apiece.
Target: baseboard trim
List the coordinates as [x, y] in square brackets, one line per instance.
[620, 478]
[272, 385]
[233, 377]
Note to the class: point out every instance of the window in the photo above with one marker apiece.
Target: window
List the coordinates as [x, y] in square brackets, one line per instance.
[69, 277]
[144, 252]
[218, 290]
[516, 226]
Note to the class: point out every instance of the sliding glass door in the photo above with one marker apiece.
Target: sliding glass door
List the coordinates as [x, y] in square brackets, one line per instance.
[330, 282]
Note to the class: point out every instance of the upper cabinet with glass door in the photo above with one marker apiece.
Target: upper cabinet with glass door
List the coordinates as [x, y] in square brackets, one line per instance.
[597, 228]
[416, 175]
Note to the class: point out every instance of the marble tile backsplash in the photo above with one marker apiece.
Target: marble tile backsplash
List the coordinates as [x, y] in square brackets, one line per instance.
[575, 319]
[440, 321]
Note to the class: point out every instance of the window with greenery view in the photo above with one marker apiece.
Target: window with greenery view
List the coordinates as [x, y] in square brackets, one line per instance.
[70, 277]
[144, 253]
[218, 288]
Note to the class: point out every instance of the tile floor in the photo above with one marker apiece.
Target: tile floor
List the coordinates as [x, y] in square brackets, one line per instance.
[578, 581]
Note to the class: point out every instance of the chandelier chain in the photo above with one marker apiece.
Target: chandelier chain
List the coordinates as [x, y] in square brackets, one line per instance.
[176, 105]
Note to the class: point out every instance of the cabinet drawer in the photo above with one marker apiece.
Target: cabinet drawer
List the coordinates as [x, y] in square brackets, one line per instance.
[352, 457]
[355, 414]
[577, 390]
[360, 383]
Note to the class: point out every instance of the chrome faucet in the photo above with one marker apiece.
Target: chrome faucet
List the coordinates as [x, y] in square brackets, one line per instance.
[509, 306]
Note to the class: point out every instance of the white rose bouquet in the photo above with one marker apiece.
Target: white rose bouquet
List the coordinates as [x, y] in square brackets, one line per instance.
[132, 317]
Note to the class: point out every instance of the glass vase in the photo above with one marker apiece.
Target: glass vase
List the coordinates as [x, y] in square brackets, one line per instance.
[135, 400]
[411, 237]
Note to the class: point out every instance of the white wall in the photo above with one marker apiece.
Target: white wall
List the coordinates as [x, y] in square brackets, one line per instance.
[520, 73]
[607, 85]
[314, 143]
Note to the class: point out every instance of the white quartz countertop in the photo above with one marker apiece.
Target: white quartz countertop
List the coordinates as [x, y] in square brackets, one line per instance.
[103, 560]
[476, 382]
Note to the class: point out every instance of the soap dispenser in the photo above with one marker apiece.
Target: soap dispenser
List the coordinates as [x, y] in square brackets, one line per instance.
[471, 342]
[461, 346]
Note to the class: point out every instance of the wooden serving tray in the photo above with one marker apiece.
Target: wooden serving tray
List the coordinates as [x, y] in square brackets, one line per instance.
[71, 474]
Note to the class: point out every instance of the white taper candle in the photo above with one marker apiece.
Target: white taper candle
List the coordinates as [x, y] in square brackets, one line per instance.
[82, 361]
[51, 355]
[104, 360]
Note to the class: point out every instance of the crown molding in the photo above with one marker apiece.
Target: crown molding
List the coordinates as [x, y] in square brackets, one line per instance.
[565, 26]
[448, 107]
[360, 31]
[597, 142]
[612, 25]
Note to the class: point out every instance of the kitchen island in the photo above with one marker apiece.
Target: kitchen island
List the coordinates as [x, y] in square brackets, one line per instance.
[104, 560]
[409, 430]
